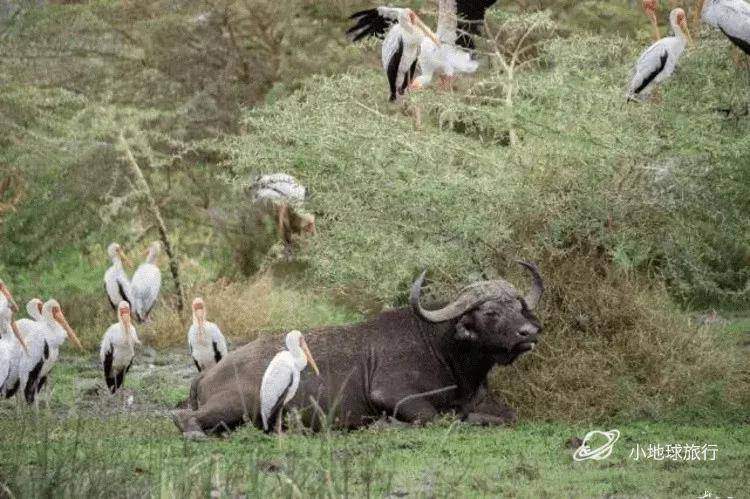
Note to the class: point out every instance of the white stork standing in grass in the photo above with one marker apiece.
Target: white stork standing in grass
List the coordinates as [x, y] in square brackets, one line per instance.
[116, 281]
[281, 379]
[658, 62]
[401, 45]
[146, 284]
[207, 344]
[118, 348]
[731, 17]
[44, 339]
[12, 346]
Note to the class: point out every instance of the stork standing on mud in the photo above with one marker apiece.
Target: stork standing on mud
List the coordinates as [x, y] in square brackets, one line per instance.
[401, 45]
[118, 348]
[281, 379]
[207, 344]
[116, 281]
[146, 284]
[44, 339]
[658, 62]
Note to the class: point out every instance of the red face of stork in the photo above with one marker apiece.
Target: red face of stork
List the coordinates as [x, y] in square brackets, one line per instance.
[199, 312]
[123, 311]
[649, 7]
[59, 317]
[8, 296]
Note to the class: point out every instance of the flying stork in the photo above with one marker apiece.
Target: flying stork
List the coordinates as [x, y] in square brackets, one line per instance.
[118, 348]
[401, 45]
[447, 58]
[146, 283]
[44, 339]
[207, 344]
[281, 379]
[657, 63]
[116, 281]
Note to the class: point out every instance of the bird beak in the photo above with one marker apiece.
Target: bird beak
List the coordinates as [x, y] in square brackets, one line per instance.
[20, 339]
[60, 318]
[9, 297]
[309, 356]
[427, 31]
[684, 26]
[124, 258]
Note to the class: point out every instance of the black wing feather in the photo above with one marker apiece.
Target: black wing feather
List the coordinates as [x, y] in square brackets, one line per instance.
[392, 70]
[743, 45]
[108, 375]
[276, 410]
[648, 79]
[217, 353]
[369, 23]
[470, 20]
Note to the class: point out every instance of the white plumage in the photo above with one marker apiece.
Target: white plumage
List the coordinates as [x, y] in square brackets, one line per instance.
[116, 281]
[658, 62]
[281, 379]
[11, 348]
[117, 349]
[446, 59]
[207, 344]
[34, 309]
[43, 339]
[278, 187]
[146, 284]
[401, 45]
[731, 17]
[15, 344]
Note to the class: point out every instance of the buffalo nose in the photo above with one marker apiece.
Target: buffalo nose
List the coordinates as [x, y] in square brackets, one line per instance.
[526, 331]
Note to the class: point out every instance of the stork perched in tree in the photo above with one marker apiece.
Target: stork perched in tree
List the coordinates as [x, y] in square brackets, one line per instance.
[118, 348]
[116, 281]
[658, 62]
[207, 344]
[146, 283]
[401, 45]
[281, 379]
[44, 339]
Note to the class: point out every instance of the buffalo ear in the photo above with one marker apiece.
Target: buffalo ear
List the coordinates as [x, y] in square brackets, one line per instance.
[464, 331]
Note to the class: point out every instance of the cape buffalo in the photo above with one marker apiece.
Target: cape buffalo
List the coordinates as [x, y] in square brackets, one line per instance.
[409, 363]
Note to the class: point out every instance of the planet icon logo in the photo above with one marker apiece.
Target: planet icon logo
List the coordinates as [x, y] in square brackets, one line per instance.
[585, 452]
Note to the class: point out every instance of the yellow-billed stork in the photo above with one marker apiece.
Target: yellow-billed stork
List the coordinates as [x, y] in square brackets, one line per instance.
[281, 379]
[146, 283]
[116, 281]
[207, 344]
[117, 349]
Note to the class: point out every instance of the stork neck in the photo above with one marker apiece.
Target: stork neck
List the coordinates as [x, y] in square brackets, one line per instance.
[300, 360]
[117, 262]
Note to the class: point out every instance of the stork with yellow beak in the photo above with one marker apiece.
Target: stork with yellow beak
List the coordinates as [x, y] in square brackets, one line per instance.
[401, 47]
[44, 339]
[207, 344]
[117, 350]
[281, 379]
[116, 281]
[657, 63]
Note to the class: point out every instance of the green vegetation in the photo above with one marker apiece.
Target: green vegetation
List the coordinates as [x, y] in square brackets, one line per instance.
[637, 215]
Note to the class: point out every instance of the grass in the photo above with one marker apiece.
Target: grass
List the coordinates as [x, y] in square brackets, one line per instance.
[142, 455]
[84, 444]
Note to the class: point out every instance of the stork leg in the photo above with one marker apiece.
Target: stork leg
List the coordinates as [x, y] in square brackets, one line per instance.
[278, 420]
